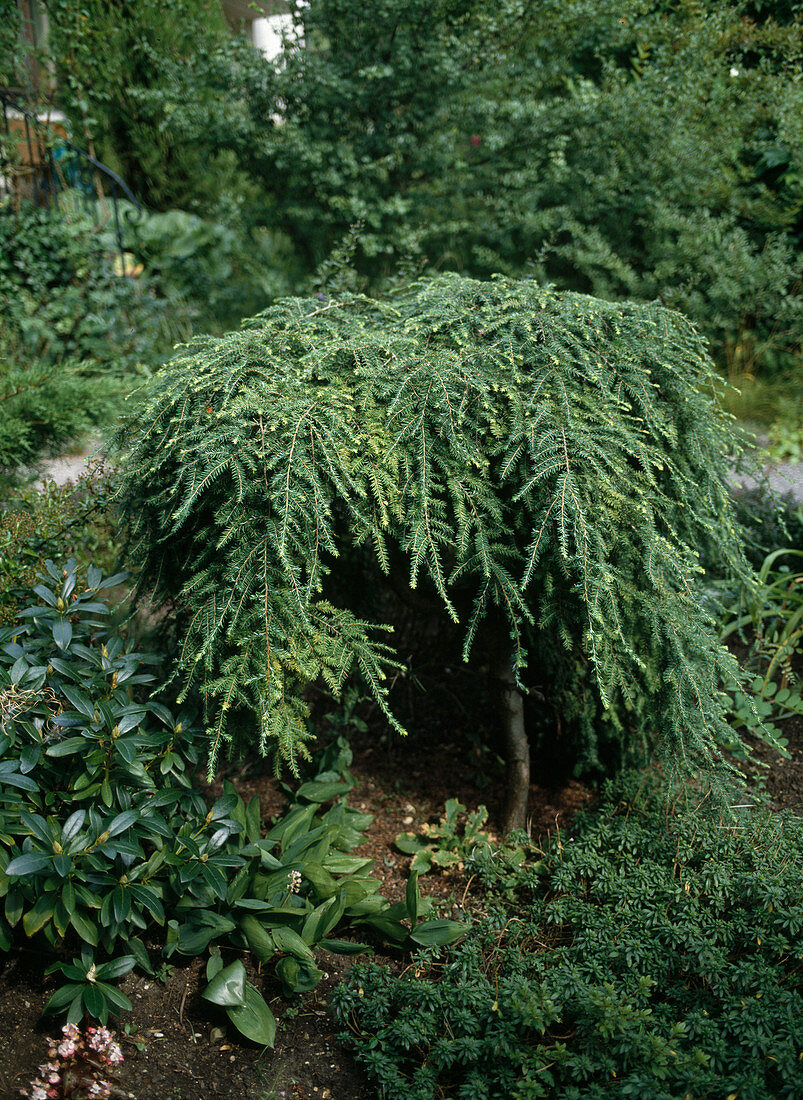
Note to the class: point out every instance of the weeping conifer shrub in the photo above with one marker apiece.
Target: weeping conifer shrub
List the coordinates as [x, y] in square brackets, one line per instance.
[546, 464]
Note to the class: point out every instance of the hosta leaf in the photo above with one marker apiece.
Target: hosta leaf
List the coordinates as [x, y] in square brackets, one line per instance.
[438, 933]
[289, 941]
[227, 988]
[297, 976]
[345, 947]
[254, 1019]
[260, 942]
[315, 791]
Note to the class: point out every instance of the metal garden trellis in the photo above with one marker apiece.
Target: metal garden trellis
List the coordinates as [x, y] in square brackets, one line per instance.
[38, 164]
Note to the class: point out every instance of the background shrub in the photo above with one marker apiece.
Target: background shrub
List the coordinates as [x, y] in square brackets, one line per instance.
[74, 335]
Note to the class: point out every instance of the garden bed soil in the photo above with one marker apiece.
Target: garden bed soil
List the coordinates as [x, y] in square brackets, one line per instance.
[177, 1048]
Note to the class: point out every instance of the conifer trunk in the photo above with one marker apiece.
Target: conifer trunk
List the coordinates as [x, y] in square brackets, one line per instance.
[517, 747]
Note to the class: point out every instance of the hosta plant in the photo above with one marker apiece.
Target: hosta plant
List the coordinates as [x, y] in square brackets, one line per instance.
[544, 466]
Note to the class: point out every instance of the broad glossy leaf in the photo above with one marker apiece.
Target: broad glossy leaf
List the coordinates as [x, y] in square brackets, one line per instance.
[122, 822]
[114, 996]
[322, 920]
[345, 947]
[86, 928]
[62, 633]
[68, 747]
[259, 940]
[296, 976]
[315, 791]
[73, 825]
[140, 953]
[289, 941]
[227, 988]
[96, 1004]
[21, 782]
[80, 700]
[254, 1019]
[38, 827]
[36, 918]
[63, 995]
[31, 863]
[108, 971]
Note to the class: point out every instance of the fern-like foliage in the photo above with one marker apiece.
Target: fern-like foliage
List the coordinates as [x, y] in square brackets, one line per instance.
[550, 455]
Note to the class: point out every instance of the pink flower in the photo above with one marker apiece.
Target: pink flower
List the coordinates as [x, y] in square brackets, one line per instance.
[66, 1048]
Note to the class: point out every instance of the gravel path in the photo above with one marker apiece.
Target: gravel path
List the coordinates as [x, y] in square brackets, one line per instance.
[66, 469]
[784, 477]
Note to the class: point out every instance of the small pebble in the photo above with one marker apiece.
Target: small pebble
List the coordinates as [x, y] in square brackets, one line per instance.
[407, 820]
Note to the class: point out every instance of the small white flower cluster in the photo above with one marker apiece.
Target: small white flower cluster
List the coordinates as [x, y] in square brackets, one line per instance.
[295, 882]
[77, 1062]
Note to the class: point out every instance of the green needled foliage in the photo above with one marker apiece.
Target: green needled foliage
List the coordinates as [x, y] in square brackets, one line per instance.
[540, 459]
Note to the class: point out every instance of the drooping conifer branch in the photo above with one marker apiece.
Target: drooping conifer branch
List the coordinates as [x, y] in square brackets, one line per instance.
[547, 457]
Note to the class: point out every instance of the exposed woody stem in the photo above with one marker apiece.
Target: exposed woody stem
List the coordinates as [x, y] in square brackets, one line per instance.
[517, 747]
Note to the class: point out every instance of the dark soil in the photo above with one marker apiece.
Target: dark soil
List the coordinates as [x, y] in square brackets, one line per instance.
[177, 1048]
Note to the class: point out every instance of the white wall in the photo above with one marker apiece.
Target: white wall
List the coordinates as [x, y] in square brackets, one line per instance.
[267, 34]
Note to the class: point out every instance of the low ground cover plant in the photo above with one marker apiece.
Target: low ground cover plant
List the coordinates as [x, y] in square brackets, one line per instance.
[654, 952]
[543, 466]
[447, 842]
[108, 846]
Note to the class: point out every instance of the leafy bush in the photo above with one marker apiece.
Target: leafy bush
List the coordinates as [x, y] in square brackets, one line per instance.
[62, 299]
[36, 524]
[224, 270]
[634, 150]
[543, 464]
[769, 619]
[73, 334]
[652, 953]
[107, 843]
